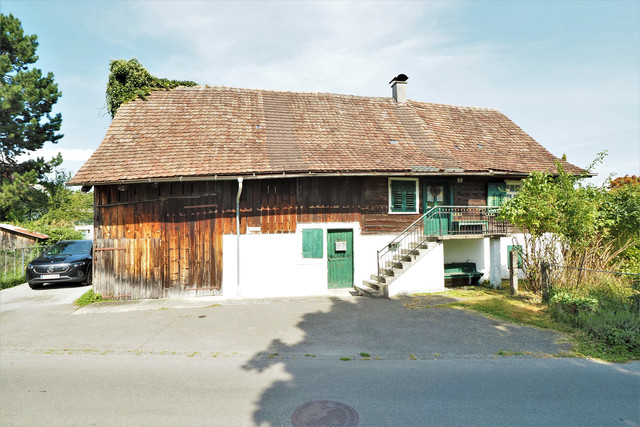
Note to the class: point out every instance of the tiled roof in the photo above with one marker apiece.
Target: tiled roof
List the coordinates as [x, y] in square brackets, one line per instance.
[217, 131]
[23, 231]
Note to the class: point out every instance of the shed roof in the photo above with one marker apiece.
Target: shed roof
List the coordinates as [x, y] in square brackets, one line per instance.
[23, 231]
[204, 132]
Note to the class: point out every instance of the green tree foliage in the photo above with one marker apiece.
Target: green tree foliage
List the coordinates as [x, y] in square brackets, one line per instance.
[49, 207]
[26, 101]
[568, 222]
[621, 210]
[129, 80]
[22, 198]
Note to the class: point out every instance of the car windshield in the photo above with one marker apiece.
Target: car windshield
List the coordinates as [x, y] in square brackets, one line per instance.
[70, 248]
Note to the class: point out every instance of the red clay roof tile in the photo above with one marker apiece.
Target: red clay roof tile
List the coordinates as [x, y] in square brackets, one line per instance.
[217, 131]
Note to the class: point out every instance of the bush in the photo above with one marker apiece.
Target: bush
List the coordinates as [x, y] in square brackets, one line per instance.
[573, 304]
[617, 326]
[11, 280]
[609, 321]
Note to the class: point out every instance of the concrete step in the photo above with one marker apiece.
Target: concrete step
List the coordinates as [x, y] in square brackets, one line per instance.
[414, 251]
[366, 290]
[373, 284]
[402, 257]
[378, 279]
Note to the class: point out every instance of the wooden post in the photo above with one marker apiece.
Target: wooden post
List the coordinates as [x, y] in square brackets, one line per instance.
[544, 274]
[513, 271]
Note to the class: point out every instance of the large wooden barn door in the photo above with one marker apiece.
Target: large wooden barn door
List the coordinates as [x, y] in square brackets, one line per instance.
[155, 241]
[193, 240]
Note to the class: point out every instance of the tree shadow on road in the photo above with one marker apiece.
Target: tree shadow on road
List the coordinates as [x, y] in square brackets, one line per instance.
[347, 340]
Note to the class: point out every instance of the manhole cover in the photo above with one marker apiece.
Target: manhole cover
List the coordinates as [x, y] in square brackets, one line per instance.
[324, 413]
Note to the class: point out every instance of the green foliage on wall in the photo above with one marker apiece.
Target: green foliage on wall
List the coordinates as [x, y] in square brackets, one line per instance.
[129, 80]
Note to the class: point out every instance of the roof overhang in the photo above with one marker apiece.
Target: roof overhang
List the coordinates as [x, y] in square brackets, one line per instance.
[260, 176]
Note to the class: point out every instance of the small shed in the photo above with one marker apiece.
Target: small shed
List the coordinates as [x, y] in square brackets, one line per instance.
[12, 236]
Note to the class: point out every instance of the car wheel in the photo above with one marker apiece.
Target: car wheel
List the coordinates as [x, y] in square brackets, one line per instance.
[89, 280]
[35, 285]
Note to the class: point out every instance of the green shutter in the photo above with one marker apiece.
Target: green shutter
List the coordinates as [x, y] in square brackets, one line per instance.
[496, 194]
[403, 196]
[312, 243]
[519, 258]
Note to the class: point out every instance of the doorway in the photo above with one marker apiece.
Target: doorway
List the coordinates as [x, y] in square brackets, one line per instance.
[340, 258]
[437, 193]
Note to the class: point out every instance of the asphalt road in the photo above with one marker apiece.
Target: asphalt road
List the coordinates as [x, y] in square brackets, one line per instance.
[253, 362]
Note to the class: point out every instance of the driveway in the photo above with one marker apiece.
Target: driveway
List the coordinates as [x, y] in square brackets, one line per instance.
[23, 297]
[216, 361]
[334, 326]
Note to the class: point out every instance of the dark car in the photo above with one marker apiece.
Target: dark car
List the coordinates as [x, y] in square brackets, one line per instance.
[66, 261]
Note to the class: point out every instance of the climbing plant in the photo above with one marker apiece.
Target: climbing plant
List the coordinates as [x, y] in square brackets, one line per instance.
[129, 80]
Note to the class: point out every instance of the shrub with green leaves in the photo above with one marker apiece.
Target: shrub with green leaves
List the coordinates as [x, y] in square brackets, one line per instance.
[574, 304]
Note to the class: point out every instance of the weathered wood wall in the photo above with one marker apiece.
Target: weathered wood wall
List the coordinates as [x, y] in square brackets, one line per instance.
[165, 239]
[10, 239]
[157, 241]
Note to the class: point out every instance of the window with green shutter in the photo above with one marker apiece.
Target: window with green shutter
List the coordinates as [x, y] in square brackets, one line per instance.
[312, 239]
[500, 192]
[403, 195]
[496, 194]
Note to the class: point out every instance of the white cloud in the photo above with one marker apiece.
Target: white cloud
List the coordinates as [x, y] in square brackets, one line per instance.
[573, 86]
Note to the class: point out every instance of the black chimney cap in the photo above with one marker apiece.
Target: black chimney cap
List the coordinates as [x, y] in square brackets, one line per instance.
[399, 78]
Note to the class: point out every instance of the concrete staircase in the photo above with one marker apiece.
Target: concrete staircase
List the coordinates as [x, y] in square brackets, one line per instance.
[378, 285]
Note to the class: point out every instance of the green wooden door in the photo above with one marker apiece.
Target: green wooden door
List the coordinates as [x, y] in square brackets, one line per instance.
[340, 258]
[437, 194]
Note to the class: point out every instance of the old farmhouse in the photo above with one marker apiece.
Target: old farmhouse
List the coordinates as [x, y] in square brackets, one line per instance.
[224, 191]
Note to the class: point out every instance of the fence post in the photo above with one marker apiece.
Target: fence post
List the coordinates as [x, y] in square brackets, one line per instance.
[513, 272]
[544, 274]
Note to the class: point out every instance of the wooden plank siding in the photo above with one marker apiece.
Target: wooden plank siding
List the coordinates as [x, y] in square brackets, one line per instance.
[165, 239]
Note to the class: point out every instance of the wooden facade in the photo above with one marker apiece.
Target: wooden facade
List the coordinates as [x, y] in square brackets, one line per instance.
[16, 237]
[156, 240]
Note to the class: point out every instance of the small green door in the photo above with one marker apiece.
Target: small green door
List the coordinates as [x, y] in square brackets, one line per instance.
[340, 258]
[437, 194]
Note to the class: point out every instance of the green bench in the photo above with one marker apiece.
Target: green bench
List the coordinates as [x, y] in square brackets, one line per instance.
[464, 272]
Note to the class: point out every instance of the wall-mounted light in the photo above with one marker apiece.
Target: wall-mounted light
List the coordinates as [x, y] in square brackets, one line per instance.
[459, 180]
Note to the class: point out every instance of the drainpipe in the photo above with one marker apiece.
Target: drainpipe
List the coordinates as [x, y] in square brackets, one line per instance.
[238, 234]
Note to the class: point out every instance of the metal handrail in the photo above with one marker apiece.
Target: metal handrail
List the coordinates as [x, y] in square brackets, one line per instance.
[439, 221]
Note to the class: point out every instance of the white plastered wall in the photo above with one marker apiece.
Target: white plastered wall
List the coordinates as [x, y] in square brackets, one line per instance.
[470, 250]
[272, 264]
[426, 275]
[489, 254]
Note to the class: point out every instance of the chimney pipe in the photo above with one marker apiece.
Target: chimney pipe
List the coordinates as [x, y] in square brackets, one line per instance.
[399, 88]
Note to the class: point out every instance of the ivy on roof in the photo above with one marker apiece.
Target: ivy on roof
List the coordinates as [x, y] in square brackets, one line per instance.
[129, 80]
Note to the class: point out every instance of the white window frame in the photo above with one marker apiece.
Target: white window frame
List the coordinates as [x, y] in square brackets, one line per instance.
[417, 188]
[512, 186]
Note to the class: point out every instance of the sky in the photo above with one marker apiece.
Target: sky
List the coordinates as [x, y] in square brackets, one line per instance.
[566, 72]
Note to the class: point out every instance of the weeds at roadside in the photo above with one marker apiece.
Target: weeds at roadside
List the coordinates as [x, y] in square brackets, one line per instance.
[9, 281]
[87, 298]
[599, 328]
